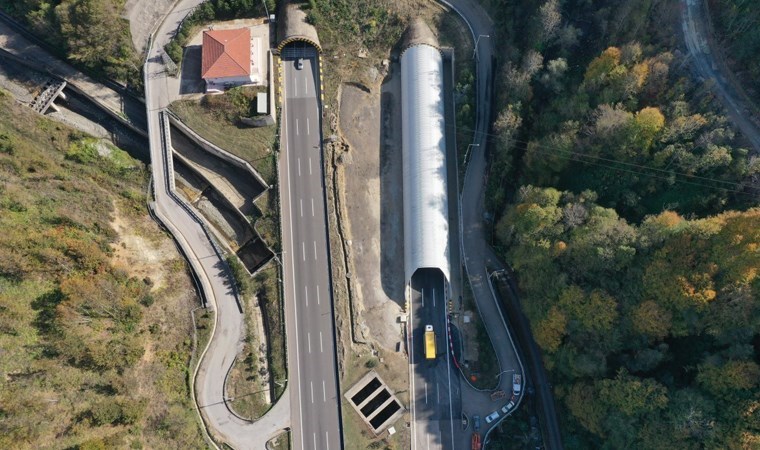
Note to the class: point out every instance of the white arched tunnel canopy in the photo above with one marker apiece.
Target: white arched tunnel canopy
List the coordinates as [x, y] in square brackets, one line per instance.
[426, 221]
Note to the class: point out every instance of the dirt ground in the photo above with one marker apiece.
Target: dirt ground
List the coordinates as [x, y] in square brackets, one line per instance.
[143, 15]
[373, 178]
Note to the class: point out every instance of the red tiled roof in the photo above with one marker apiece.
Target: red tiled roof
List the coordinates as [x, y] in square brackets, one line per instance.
[226, 53]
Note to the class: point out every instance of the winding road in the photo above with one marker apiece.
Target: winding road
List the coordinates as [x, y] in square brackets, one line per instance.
[696, 35]
[477, 253]
[205, 261]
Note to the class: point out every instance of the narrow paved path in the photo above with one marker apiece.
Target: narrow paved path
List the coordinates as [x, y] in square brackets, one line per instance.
[477, 253]
[696, 35]
[205, 260]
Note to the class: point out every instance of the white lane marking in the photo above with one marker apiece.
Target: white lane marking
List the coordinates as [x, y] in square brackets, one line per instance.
[311, 383]
[312, 207]
[301, 201]
[428, 441]
[426, 393]
[293, 271]
[438, 391]
[422, 292]
[315, 440]
[411, 373]
[305, 86]
[295, 85]
[315, 250]
[448, 370]
[306, 294]
[317, 294]
[324, 392]
[308, 129]
[309, 166]
[303, 250]
[321, 350]
[308, 335]
[433, 297]
[327, 440]
[299, 167]
[297, 133]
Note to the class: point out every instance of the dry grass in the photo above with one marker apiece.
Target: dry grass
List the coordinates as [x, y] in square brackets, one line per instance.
[246, 384]
[68, 213]
[216, 120]
[394, 371]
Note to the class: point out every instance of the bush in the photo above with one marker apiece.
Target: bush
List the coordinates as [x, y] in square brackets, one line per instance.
[7, 144]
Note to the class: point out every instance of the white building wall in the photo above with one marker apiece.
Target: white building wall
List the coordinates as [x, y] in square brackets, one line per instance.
[220, 84]
[426, 222]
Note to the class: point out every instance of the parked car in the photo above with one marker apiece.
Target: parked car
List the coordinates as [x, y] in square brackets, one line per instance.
[505, 409]
[476, 422]
[516, 383]
[493, 416]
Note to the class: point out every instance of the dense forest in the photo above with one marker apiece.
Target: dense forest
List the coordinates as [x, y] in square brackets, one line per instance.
[737, 23]
[622, 197]
[90, 33]
[91, 356]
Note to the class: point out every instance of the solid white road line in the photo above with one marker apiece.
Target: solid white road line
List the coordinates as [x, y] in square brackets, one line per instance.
[299, 167]
[306, 294]
[411, 374]
[303, 250]
[293, 273]
[448, 370]
[297, 133]
[309, 166]
[315, 250]
[308, 130]
[312, 207]
[324, 392]
[305, 86]
[426, 393]
[327, 440]
[301, 202]
[311, 383]
[321, 350]
[317, 294]
[315, 441]
[308, 336]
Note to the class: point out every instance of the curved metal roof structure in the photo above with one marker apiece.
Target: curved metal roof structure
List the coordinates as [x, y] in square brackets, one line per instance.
[293, 27]
[426, 221]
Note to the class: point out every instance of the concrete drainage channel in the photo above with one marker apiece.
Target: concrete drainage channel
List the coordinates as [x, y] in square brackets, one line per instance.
[375, 403]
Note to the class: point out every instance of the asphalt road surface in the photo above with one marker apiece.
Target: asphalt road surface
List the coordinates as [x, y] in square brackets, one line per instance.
[431, 383]
[315, 400]
[696, 37]
[477, 253]
[206, 263]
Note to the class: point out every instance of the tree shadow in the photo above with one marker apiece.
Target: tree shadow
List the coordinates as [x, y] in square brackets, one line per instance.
[46, 305]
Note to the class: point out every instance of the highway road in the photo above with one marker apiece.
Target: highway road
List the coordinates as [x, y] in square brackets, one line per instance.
[310, 326]
[433, 383]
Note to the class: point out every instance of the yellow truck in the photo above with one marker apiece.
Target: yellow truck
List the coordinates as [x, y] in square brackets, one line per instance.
[429, 342]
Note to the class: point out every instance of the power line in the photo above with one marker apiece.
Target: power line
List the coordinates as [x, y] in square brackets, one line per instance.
[578, 157]
[660, 177]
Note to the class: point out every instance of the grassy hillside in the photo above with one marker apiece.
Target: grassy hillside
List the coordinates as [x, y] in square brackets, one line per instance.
[94, 300]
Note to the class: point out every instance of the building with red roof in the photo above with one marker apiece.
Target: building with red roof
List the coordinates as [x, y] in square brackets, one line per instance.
[227, 59]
